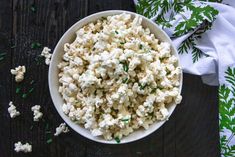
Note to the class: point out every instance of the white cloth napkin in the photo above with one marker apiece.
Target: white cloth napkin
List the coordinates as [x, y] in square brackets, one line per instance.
[216, 61]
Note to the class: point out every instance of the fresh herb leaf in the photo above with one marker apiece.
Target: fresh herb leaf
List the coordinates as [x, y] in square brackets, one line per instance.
[17, 90]
[32, 82]
[117, 139]
[116, 32]
[125, 119]
[31, 90]
[125, 66]
[36, 45]
[126, 80]
[49, 141]
[33, 8]
[24, 95]
[122, 43]
[13, 46]
[1, 58]
[142, 86]
[168, 72]
[2, 54]
[140, 46]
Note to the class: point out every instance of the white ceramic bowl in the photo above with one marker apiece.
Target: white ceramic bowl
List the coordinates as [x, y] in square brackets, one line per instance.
[69, 36]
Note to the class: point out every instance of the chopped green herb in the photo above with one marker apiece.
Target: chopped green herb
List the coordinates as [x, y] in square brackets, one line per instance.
[143, 86]
[13, 46]
[93, 49]
[122, 43]
[24, 95]
[31, 90]
[49, 141]
[153, 90]
[125, 119]
[32, 82]
[140, 46]
[36, 45]
[17, 90]
[103, 18]
[116, 32]
[33, 8]
[126, 80]
[117, 139]
[125, 67]
[2, 54]
[168, 72]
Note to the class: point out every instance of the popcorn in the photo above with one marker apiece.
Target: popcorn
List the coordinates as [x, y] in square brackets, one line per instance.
[62, 128]
[19, 73]
[12, 110]
[36, 112]
[46, 53]
[116, 77]
[26, 148]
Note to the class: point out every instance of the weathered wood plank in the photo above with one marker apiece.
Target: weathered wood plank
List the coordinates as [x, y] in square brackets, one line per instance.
[196, 132]
[5, 77]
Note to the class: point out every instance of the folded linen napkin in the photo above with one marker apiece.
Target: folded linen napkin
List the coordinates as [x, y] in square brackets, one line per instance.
[204, 33]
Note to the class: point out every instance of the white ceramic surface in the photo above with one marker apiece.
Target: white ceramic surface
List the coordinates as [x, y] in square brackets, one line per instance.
[69, 36]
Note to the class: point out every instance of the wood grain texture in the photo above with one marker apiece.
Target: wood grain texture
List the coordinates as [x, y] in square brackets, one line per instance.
[192, 130]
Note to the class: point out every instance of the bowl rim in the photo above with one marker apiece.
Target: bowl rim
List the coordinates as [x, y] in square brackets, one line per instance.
[50, 79]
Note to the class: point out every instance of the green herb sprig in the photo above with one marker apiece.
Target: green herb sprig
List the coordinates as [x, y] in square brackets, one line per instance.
[126, 80]
[36, 45]
[2, 56]
[33, 8]
[13, 46]
[125, 66]
[117, 139]
[142, 86]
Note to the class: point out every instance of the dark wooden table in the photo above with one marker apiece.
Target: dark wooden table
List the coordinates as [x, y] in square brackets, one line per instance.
[192, 130]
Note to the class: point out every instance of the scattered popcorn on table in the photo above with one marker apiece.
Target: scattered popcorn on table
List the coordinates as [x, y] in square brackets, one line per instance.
[46, 53]
[61, 129]
[26, 148]
[36, 112]
[117, 77]
[12, 110]
[19, 73]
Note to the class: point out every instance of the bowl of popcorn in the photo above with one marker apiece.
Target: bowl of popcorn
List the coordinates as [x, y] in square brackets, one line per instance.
[115, 77]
